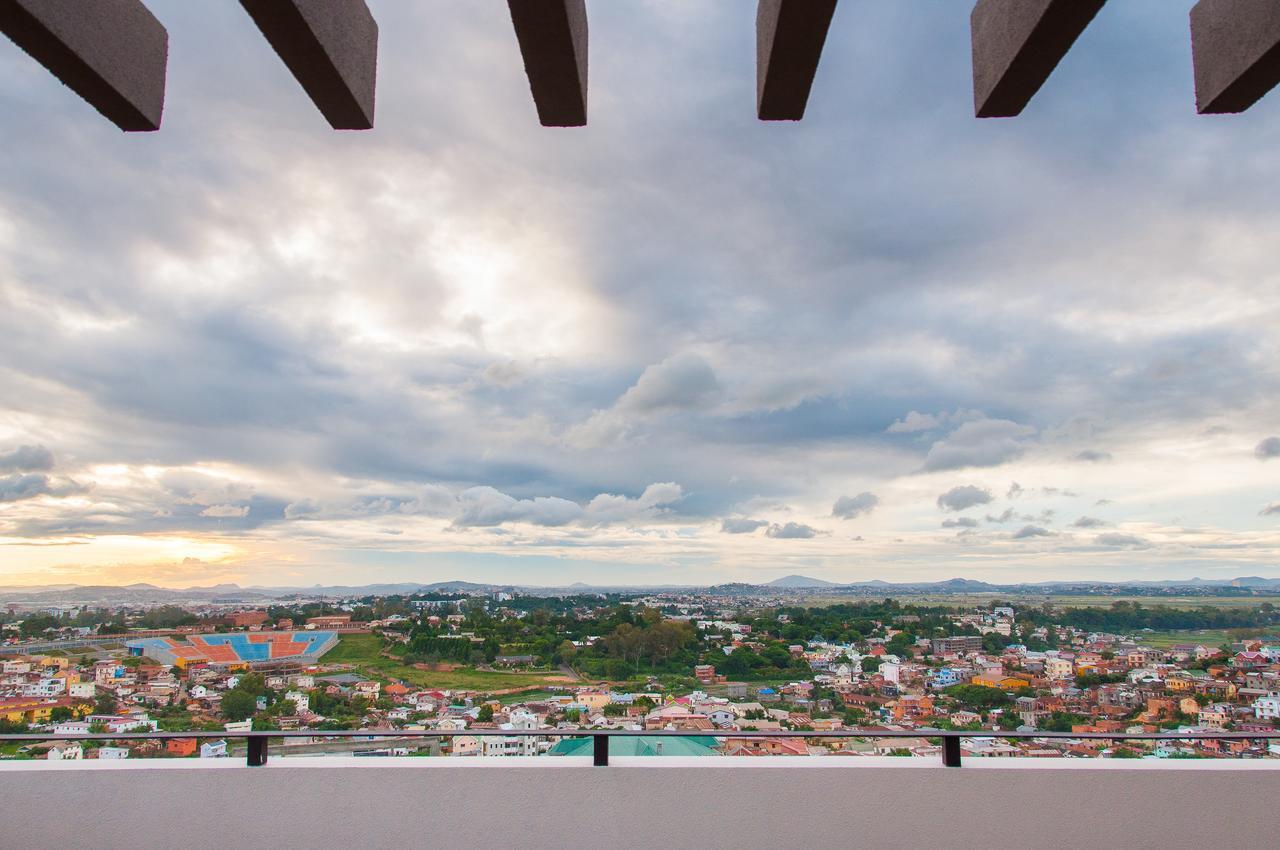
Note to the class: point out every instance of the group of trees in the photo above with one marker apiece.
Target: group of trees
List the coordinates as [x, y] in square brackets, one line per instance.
[1126, 616]
[431, 645]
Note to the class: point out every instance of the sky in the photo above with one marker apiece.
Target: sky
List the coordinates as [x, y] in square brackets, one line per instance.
[677, 346]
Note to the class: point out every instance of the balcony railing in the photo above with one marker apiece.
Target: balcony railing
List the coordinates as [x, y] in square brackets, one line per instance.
[257, 742]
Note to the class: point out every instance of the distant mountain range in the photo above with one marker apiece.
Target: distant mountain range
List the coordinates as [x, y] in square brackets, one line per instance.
[231, 594]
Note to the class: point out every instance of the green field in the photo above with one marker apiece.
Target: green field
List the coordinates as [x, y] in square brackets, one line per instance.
[1164, 640]
[528, 696]
[1208, 637]
[364, 652]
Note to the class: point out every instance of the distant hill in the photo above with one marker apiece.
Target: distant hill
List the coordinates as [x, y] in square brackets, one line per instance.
[231, 594]
[800, 581]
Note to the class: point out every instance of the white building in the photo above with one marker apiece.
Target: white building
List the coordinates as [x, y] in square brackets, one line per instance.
[1267, 708]
[68, 751]
[113, 753]
[82, 690]
[513, 745]
[42, 688]
[301, 701]
[213, 750]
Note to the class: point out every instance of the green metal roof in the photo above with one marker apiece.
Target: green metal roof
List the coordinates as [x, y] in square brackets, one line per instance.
[647, 745]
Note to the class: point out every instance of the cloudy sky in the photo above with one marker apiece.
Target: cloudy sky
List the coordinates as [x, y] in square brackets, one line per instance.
[679, 345]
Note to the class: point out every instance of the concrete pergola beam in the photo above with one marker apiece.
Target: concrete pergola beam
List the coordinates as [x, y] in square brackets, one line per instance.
[790, 35]
[113, 53]
[1016, 46]
[553, 42]
[1235, 45]
[331, 47]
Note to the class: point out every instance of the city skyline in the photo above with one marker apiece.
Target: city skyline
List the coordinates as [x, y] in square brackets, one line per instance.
[678, 346]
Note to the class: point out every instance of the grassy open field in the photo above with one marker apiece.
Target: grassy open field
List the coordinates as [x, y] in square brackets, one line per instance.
[364, 652]
[1164, 640]
[1208, 637]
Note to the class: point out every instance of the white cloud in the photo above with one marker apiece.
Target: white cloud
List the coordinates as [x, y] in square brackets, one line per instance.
[986, 442]
[914, 422]
[683, 382]
[792, 531]
[225, 511]
[487, 507]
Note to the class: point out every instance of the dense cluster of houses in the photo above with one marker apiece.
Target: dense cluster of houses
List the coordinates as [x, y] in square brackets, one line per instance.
[1095, 683]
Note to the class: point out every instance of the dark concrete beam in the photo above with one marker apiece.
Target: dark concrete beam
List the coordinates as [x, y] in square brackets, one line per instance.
[1016, 46]
[1236, 48]
[331, 46]
[553, 42]
[789, 39]
[113, 53]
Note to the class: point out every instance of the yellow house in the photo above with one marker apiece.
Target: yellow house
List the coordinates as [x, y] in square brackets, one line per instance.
[37, 709]
[1003, 683]
[61, 662]
[594, 700]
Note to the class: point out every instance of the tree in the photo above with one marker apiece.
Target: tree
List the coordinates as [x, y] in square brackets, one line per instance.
[33, 626]
[238, 705]
[60, 714]
[978, 697]
[105, 703]
[485, 714]
[567, 651]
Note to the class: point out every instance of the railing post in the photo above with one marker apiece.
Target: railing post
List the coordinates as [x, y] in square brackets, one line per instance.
[951, 751]
[600, 746]
[257, 751]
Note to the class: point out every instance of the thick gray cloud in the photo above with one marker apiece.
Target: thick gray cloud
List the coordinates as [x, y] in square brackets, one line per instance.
[357, 329]
[29, 485]
[27, 459]
[792, 531]
[1268, 448]
[1088, 522]
[1272, 509]
[964, 497]
[1028, 532]
[960, 522]
[851, 507]
[741, 526]
[14, 488]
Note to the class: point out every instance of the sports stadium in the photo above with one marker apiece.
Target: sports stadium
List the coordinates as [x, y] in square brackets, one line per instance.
[255, 649]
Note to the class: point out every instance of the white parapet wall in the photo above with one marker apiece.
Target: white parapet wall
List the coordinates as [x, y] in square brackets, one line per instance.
[641, 803]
